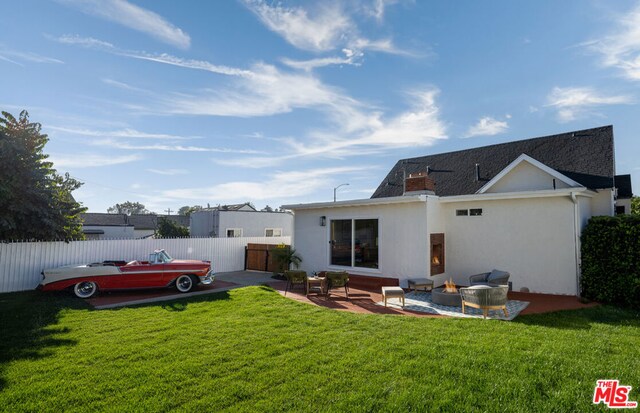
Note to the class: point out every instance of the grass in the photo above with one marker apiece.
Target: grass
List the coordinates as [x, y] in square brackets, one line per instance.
[252, 350]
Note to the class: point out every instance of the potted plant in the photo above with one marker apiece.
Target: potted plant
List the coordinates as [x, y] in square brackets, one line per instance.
[284, 256]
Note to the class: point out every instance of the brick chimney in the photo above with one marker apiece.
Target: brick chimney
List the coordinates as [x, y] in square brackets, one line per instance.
[419, 182]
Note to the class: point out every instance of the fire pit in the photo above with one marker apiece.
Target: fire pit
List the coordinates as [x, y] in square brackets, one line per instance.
[447, 295]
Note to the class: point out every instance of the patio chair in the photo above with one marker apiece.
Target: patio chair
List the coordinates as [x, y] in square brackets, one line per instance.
[492, 278]
[295, 277]
[485, 298]
[337, 280]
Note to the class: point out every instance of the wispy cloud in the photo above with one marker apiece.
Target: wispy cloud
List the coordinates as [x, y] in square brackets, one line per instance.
[90, 160]
[168, 171]
[574, 102]
[276, 186]
[134, 17]
[351, 58]
[16, 57]
[326, 27]
[111, 143]
[378, 8]
[487, 126]
[120, 133]
[420, 125]
[621, 47]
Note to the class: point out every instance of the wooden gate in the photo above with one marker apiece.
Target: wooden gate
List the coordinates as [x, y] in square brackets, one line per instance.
[258, 257]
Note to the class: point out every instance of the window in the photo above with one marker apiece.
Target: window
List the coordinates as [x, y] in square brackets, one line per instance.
[475, 212]
[234, 232]
[354, 243]
[273, 232]
[462, 212]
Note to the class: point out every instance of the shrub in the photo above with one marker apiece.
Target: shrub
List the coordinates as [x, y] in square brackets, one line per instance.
[611, 260]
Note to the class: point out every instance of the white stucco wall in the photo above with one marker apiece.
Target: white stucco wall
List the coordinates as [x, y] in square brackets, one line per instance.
[603, 202]
[526, 177]
[143, 233]
[253, 224]
[403, 245]
[533, 239]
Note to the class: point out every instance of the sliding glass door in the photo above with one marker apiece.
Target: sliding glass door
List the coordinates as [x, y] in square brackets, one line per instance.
[354, 243]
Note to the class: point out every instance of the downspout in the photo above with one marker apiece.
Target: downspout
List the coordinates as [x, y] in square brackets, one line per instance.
[576, 227]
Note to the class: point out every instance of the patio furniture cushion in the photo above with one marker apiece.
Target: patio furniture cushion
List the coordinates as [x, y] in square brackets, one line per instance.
[495, 277]
[485, 297]
[498, 277]
[392, 292]
[416, 283]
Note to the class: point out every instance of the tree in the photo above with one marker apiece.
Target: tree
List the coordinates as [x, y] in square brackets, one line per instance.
[188, 210]
[169, 229]
[35, 202]
[635, 205]
[128, 208]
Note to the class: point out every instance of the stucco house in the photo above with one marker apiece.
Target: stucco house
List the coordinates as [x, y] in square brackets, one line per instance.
[518, 206]
[240, 220]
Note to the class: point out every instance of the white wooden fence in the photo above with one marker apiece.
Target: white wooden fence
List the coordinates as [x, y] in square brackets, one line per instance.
[22, 262]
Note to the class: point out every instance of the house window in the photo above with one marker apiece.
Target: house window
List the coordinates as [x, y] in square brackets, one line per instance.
[475, 212]
[462, 212]
[234, 232]
[354, 243]
[273, 232]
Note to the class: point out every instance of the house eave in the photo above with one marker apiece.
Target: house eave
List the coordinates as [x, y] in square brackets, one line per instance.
[359, 202]
[581, 191]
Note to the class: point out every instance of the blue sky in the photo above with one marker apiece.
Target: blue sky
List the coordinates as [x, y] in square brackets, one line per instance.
[182, 103]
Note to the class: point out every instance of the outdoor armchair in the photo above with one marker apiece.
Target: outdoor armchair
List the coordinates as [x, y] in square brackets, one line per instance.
[495, 277]
[295, 277]
[337, 280]
[485, 298]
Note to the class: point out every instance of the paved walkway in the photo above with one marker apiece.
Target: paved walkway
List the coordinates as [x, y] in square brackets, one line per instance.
[224, 282]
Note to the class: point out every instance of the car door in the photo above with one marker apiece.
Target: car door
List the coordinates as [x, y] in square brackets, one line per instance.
[143, 275]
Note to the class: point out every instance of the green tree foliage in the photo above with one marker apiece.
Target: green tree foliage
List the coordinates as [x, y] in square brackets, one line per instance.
[169, 229]
[35, 202]
[188, 210]
[611, 260]
[635, 205]
[128, 208]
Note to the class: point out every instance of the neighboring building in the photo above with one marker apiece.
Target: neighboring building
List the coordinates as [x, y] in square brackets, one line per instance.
[240, 220]
[517, 206]
[106, 226]
[624, 194]
[109, 226]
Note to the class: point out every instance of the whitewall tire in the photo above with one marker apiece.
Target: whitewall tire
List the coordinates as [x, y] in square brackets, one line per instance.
[85, 289]
[185, 283]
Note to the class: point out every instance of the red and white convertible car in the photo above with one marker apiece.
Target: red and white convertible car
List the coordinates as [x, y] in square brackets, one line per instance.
[159, 271]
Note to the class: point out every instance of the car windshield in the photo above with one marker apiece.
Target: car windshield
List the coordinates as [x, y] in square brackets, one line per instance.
[163, 256]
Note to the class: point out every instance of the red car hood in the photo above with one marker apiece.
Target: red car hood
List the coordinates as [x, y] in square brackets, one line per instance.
[190, 262]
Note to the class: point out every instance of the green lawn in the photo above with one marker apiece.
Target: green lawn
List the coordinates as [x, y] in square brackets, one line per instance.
[252, 350]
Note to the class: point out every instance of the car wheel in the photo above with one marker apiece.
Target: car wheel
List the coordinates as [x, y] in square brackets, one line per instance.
[85, 289]
[185, 283]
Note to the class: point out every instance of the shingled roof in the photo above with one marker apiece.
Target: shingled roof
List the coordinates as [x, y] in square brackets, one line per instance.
[101, 219]
[586, 156]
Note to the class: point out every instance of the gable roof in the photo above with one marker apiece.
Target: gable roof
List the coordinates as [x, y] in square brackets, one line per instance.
[623, 183]
[531, 161]
[585, 156]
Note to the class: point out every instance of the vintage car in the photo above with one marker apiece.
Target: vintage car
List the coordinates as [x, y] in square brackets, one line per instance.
[159, 271]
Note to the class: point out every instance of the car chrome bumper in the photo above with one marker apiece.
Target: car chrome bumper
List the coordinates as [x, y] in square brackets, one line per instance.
[208, 279]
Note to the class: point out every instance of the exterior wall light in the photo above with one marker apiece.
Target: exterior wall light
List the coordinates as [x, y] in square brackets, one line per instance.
[323, 221]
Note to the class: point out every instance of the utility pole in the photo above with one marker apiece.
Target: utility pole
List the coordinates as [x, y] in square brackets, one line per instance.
[168, 211]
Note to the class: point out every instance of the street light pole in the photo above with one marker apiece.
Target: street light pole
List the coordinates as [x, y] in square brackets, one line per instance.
[335, 189]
